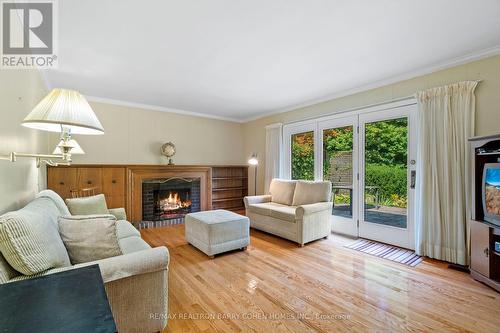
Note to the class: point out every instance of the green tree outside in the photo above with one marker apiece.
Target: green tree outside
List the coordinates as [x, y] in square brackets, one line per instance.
[386, 156]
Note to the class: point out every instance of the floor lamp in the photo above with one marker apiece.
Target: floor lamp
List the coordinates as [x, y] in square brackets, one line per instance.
[255, 162]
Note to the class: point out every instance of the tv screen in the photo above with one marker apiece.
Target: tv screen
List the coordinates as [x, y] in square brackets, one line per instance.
[491, 192]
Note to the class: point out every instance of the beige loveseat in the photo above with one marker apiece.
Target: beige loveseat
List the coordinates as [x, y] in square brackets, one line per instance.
[136, 282]
[296, 210]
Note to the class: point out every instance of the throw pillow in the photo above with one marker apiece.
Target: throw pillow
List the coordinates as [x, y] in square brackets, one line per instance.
[307, 192]
[89, 239]
[87, 206]
[282, 191]
[31, 243]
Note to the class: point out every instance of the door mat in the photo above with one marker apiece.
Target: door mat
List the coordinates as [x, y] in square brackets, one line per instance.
[389, 252]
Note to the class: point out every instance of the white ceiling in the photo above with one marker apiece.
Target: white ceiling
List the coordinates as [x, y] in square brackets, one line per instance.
[240, 59]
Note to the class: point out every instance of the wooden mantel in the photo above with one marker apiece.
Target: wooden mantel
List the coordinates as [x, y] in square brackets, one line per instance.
[221, 186]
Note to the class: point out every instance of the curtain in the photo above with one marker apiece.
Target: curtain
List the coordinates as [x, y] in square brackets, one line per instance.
[445, 123]
[274, 143]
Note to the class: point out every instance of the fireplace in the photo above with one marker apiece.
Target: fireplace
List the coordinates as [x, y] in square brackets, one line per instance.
[170, 199]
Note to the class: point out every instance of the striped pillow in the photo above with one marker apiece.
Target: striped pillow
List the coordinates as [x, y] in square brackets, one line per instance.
[31, 244]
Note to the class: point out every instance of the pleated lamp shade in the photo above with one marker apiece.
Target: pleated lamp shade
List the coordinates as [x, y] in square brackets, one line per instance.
[63, 108]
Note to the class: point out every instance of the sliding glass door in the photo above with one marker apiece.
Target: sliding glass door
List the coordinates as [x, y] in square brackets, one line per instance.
[339, 165]
[368, 156]
[387, 176]
[300, 151]
[302, 155]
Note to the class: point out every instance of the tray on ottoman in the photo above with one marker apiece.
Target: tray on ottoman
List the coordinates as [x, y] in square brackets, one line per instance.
[217, 231]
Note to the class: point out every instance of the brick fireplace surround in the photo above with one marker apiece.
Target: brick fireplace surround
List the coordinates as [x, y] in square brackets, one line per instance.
[137, 175]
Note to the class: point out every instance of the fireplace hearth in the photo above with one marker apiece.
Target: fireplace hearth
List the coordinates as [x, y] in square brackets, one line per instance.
[170, 199]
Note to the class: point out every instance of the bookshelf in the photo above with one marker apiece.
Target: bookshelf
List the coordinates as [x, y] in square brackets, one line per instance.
[229, 187]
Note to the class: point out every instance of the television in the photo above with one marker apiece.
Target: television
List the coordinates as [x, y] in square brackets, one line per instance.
[491, 193]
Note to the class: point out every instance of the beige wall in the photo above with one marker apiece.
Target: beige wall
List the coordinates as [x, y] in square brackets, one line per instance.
[134, 136]
[487, 104]
[20, 90]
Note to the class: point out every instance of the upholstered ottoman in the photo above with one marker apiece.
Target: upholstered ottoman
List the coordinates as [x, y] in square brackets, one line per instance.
[217, 231]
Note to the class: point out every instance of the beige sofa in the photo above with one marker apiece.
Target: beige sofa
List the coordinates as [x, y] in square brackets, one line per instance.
[136, 282]
[296, 210]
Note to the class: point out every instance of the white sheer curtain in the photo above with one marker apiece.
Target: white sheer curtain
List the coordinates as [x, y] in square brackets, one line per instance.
[274, 153]
[445, 122]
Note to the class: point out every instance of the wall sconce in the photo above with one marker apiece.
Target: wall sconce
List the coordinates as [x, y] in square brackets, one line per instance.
[64, 111]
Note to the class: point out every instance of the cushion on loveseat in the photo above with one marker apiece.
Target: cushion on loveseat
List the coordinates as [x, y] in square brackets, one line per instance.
[283, 212]
[29, 238]
[273, 209]
[129, 238]
[89, 239]
[308, 192]
[95, 204]
[282, 191]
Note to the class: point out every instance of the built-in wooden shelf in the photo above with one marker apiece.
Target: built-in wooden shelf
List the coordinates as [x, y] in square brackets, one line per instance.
[227, 199]
[229, 187]
[236, 208]
[225, 178]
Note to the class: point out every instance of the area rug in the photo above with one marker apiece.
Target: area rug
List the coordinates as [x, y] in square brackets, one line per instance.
[389, 252]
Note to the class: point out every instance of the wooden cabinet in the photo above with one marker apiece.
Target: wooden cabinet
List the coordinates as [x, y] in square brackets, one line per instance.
[480, 252]
[62, 180]
[484, 236]
[113, 186]
[90, 178]
[107, 180]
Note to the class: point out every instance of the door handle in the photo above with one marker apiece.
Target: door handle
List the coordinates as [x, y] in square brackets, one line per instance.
[413, 176]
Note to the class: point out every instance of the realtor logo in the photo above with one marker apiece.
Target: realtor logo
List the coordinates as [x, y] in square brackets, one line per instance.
[28, 30]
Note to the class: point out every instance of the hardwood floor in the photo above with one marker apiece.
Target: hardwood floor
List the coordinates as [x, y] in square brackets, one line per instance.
[275, 286]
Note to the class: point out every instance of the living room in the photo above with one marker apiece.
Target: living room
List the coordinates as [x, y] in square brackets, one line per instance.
[250, 166]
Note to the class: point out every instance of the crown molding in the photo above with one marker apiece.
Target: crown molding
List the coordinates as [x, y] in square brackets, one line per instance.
[158, 108]
[478, 55]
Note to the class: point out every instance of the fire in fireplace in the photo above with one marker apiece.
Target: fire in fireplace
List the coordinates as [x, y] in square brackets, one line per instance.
[175, 205]
[170, 199]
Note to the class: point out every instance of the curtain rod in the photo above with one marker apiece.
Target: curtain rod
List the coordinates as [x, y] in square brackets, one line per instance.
[394, 100]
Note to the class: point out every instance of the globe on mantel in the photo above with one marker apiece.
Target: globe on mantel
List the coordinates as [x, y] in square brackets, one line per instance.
[168, 150]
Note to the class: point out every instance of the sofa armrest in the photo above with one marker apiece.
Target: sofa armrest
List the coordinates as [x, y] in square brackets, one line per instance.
[135, 263]
[304, 210]
[119, 213]
[119, 267]
[250, 200]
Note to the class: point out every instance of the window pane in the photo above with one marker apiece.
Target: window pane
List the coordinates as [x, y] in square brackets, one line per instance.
[337, 167]
[386, 152]
[303, 156]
